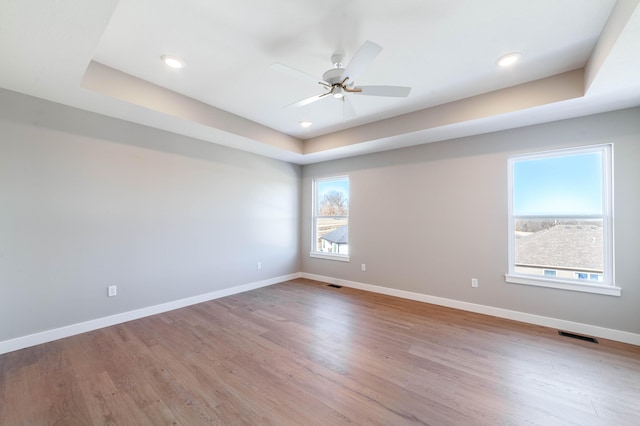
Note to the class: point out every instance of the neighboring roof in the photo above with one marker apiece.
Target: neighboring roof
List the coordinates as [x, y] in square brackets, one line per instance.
[338, 236]
[562, 246]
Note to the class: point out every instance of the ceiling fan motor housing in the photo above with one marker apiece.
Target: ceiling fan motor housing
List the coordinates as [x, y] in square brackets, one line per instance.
[333, 76]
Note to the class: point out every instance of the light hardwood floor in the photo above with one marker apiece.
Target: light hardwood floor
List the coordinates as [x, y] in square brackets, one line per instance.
[303, 353]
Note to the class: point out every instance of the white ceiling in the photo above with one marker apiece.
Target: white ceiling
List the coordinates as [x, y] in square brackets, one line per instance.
[578, 57]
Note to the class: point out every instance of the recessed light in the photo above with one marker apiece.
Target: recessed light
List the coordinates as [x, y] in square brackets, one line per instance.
[172, 61]
[305, 124]
[508, 59]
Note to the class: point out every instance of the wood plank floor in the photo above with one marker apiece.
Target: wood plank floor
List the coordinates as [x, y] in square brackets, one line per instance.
[303, 353]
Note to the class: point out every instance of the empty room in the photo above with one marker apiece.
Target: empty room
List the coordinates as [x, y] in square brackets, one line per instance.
[320, 213]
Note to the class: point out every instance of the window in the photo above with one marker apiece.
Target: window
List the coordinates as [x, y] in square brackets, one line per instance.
[560, 220]
[330, 239]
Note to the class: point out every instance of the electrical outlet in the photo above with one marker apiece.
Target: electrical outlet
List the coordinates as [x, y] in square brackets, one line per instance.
[112, 290]
[259, 265]
[364, 267]
[474, 282]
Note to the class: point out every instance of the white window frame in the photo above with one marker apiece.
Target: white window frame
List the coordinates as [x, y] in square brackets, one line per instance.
[315, 217]
[607, 286]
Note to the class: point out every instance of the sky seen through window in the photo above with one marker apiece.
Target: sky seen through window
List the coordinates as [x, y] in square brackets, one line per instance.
[558, 186]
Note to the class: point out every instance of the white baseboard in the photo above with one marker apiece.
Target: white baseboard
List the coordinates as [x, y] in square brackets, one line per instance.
[574, 327]
[73, 329]
[83, 327]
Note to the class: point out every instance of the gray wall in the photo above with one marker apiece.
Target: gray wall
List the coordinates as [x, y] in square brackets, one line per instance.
[427, 219]
[87, 201]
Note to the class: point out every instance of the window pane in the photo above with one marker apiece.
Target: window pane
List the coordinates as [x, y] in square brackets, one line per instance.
[558, 185]
[332, 235]
[561, 218]
[332, 198]
[331, 216]
[573, 248]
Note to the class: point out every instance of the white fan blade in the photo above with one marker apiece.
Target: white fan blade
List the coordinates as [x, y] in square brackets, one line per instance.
[294, 72]
[362, 59]
[348, 112]
[307, 101]
[393, 91]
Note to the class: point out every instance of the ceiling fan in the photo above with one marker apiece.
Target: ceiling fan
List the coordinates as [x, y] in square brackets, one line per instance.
[340, 81]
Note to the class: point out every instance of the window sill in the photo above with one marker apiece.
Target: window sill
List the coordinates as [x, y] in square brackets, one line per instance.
[330, 256]
[563, 284]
